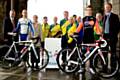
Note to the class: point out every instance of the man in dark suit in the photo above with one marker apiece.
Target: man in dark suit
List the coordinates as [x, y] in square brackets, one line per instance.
[111, 27]
[9, 24]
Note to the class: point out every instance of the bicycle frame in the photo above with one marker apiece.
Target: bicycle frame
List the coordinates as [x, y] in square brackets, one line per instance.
[83, 61]
[31, 45]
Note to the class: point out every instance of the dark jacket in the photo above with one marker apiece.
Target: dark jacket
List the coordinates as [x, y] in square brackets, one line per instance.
[8, 27]
[114, 26]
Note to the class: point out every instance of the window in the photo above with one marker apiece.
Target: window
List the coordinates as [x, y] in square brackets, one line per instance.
[51, 8]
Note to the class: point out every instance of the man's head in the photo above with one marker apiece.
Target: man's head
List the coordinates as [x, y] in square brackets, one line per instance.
[66, 14]
[71, 20]
[107, 7]
[99, 16]
[12, 13]
[35, 18]
[45, 19]
[89, 10]
[74, 17]
[24, 13]
[79, 19]
[55, 19]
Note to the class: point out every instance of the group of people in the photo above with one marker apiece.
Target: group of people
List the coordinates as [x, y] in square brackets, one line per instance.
[89, 28]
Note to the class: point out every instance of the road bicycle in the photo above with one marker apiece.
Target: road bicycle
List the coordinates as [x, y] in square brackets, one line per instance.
[15, 55]
[73, 60]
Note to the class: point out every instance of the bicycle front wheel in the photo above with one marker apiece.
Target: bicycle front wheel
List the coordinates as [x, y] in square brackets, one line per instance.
[105, 68]
[44, 58]
[42, 61]
[67, 66]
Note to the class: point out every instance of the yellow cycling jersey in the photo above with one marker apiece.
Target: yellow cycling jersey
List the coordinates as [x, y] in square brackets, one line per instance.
[63, 28]
[45, 31]
[55, 30]
[71, 31]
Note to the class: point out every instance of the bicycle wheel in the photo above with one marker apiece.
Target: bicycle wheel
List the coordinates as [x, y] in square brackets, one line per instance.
[103, 69]
[3, 50]
[66, 65]
[10, 61]
[43, 59]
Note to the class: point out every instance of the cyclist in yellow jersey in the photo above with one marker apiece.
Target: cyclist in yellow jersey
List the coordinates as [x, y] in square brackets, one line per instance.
[66, 15]
[55, 30]
[67, 29]
[64, 22]
[45, 30]
[70, 29]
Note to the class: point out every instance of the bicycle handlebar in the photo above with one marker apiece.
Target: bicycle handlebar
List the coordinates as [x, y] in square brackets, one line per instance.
[101, 42]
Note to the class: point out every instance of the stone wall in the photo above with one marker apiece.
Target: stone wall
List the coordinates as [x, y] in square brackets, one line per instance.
[2, 13]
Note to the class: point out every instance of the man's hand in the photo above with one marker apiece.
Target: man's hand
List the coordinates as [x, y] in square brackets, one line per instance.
[12, 33]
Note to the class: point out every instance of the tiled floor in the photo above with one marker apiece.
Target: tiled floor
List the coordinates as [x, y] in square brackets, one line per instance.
[19, 74]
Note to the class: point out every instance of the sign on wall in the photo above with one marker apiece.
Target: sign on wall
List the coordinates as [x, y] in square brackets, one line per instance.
[53, 46]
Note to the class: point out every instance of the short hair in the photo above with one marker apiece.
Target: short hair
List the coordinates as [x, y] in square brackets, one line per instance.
[66, 12]
[75, 15]
[89, 6]
[108, 4]
[35, 16]
[12, 10]
[45, 17]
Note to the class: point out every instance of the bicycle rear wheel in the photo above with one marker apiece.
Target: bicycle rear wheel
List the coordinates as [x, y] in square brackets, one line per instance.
[10, 61]
[103, 69]
[3, 50]
[64, 64]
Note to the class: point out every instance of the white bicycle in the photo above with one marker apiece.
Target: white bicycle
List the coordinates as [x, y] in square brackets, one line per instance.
[15, 55]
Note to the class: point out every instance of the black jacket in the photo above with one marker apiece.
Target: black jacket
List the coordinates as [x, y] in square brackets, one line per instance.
[114, 26]
[8, 27]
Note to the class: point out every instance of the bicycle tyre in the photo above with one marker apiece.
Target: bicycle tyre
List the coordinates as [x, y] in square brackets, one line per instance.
[97, 60]
[63, 65]
[43, 61]
[3, 50]
[7, 63]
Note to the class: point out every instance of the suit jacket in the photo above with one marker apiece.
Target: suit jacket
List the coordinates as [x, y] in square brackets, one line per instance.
[114, 26]
[8, 27]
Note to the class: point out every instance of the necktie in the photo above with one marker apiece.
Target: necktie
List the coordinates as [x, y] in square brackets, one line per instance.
[107, 25]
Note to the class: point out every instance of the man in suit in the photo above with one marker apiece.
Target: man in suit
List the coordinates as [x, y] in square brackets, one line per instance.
[111, 27]
[9, 24]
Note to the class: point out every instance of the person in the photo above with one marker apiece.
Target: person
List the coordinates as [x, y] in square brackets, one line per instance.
[45, 30]
[24, 27]
[55, 30]
[88, 24]
[37, 35]
[99, 18]
[111, 27]
[78, 19]
[9, 24]
[75, 19]
[70, 29]
[64, 22]
[81, 31]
